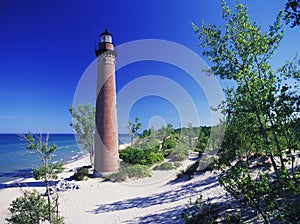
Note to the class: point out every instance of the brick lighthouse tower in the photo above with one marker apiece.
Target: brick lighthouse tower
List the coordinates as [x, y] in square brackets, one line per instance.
[106, 136]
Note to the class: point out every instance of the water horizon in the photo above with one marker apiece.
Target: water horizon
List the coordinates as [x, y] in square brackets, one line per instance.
[17, 162]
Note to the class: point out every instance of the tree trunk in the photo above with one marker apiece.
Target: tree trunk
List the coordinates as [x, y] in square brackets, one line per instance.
[49, 200]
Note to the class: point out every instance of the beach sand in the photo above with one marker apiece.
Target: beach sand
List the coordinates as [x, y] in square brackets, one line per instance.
[149, 200]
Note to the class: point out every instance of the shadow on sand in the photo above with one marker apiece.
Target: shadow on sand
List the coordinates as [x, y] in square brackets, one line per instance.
[172, 215]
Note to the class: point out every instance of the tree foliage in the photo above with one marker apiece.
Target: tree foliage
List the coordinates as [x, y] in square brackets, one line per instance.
[84, 125]
[133, 128]
[262, 109]
[292, 10]
[39, 144]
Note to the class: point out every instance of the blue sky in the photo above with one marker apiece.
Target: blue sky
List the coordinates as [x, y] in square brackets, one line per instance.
[45, 47]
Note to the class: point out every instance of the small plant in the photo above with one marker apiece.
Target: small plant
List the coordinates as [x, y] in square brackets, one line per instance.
[138, 171]
[165, 166]
[119, 176]
[179, 154]
[32, 207]
[135, 172]
[200, 212]
[233, 218]
[82, 173]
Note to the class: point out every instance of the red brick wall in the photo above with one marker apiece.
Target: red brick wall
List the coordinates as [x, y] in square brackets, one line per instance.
[106, 143]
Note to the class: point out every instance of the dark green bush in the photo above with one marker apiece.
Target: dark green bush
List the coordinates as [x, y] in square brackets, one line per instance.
[152, 157]
[132, 155]
[81, 173]
[170, 143]
[30, 208]
[139, 156]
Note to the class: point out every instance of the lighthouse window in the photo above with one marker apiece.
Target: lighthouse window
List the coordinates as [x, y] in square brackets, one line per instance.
[106, 38]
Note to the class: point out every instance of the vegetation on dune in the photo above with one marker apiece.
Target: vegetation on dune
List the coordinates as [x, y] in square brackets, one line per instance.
[26, 207]
[82, 173]
[136, 171]
[32, 207]
[166, 146]
[261, 143]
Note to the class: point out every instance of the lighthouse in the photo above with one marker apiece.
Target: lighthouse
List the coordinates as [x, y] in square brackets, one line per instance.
[106, 134]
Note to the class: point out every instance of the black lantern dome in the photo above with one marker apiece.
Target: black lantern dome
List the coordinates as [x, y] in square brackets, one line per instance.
[106, 37]
[105, 44]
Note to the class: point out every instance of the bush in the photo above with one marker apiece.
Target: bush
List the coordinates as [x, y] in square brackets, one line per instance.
[119, 176]
[152, 157]
[132, 155]
[81, 173]
[135, 171]
[139, 156]
[138, 171]
[179, 155]
[170, 143]
[165, 166]
[32, 207]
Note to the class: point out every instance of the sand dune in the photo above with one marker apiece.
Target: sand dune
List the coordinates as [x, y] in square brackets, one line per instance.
[149, 200]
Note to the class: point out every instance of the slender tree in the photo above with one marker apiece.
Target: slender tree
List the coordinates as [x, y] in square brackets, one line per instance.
[133, 128]
[260, 107]
[39, 144]
[84, 125]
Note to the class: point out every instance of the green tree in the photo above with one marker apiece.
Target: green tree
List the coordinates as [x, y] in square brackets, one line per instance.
[39, 144]
[260, 107]
[292, 12]
[133, 128]
[84, 125]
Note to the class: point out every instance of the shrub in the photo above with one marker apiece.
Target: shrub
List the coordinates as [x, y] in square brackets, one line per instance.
[135, 171]
[165, 166]
[32, 207]
[179, 155]
[81, 173]
[132, 155]
[138, 171]
[139, 156]
[119, 176]
[170, 143]
[152, 157]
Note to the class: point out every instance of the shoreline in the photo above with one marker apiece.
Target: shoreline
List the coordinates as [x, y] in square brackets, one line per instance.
[99, 201]
[81, 155]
